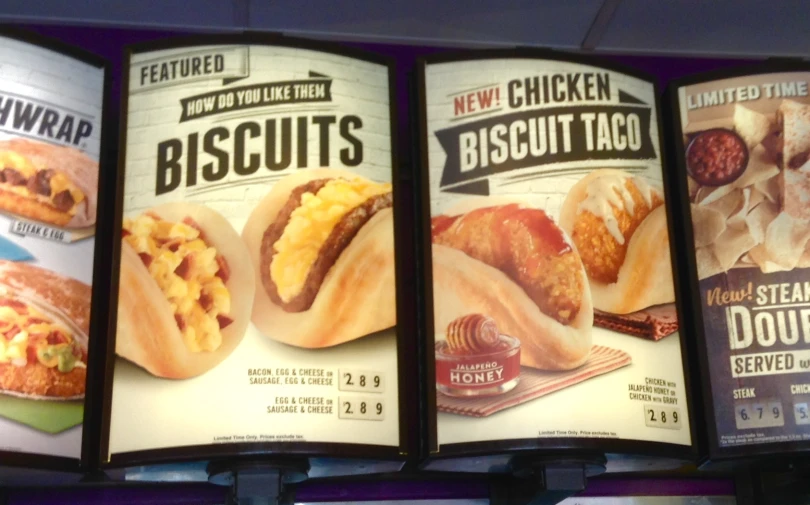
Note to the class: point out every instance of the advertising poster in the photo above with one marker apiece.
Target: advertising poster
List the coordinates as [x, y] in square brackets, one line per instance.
[746, 142]
[553, 300]
[257, 293]
[50, 129]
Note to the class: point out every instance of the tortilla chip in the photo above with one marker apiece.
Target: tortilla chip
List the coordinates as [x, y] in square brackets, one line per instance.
[760, 167]
[707, 264]
[756, 198]
[760, 256]
[769, 189]
[785, 240]
[731, 245]
[727, 205]
[760, 218]
[752, 126]
[708, 224]
[737, 219]
[804, 260]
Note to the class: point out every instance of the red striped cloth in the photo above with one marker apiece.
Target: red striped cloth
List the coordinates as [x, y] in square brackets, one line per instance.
[536, 383]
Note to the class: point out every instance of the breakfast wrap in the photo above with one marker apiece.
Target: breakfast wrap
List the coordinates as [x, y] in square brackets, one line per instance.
[52, 184]
[44, 326]
[322, 247]
[185, 293]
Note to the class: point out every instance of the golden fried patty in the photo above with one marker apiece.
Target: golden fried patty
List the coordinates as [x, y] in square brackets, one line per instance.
[602, 255]
[39, 380]
[527, 246]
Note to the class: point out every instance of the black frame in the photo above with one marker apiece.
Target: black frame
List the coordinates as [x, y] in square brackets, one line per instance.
[406, 353]
[686, 255]
[106, 180]
[565, 446]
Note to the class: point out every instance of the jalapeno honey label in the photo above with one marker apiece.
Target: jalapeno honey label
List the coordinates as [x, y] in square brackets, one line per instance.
[50, 128]
[553, 301]
[257, 286]
[745, 145]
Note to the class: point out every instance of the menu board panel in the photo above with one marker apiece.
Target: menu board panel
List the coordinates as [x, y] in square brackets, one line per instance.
[257, 290]
[51, 101]
[743, 145]
[554, 313]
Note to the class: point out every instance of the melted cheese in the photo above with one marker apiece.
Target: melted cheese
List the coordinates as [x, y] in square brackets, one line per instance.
[58, 182]
[609, 191]
[32, 327]
[310, 225]
[153, 237]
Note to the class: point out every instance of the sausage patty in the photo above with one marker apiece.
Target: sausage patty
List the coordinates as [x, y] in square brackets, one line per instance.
[338, 240]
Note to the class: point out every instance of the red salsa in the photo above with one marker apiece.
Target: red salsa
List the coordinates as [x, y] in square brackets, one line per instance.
[716, 157]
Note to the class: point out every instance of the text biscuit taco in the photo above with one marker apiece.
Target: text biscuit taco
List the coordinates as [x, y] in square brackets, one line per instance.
[44, 325]
[185, 293]
[512, 263]
[53, 184]
[618, 224]
[322, 246]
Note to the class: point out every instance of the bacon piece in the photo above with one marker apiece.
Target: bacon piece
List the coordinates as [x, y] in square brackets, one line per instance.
[17, 305]
[146, 258]
[125, 233]
[181, 323]
[206, 302]
[173, 245]
[224, 321]
[183, 270]
[224, 271]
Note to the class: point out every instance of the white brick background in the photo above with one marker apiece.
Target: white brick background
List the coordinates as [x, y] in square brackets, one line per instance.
[150, 413]
[358, 87]
[42, 74]
[445, 79]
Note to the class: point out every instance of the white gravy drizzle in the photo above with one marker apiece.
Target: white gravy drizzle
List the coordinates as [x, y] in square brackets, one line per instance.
[610, 190]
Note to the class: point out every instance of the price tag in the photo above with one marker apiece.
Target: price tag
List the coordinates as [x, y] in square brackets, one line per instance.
[801, 413]
[657, 416]
[361, 381]
[760, 414]
[364, 408]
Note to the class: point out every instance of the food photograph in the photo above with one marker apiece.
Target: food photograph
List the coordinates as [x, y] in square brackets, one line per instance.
[553, 295]
[745, 180]
[51, 105]
[257, 263]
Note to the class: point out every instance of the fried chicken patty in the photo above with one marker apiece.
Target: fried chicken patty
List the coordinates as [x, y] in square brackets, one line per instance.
[603, 255]
[527, 246]
[35, 379]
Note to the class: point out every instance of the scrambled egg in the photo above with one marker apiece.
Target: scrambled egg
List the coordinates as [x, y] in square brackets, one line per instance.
[58, 182]
[32, 328]
[188, 287]
[310, 225]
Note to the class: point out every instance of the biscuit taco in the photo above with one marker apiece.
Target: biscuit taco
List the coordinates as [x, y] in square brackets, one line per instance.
[52, 184]
[512, 263]
[186, 290]
[322, 246]
[44, 325]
